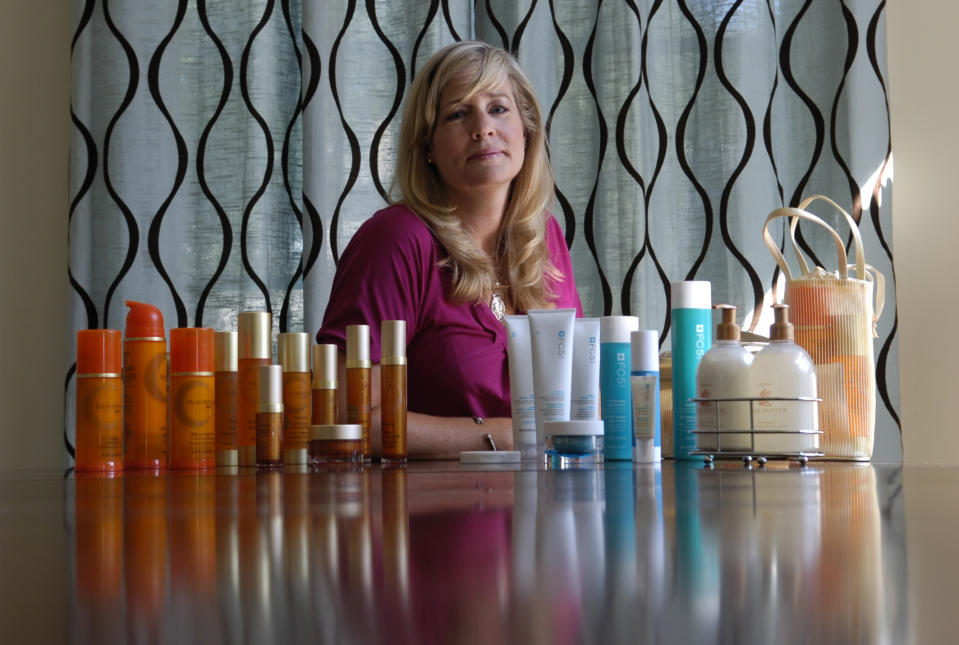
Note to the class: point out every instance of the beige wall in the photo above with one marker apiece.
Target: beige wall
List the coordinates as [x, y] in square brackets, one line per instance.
[925, 104]
[35, 127]
[34, 117]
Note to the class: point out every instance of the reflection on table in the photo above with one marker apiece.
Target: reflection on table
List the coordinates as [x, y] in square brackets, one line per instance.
[435, 553]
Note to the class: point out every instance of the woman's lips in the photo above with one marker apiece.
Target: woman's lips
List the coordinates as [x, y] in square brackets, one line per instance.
[483, 155]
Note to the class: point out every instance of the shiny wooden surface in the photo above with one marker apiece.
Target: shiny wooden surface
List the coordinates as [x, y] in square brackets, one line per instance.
[442, 553]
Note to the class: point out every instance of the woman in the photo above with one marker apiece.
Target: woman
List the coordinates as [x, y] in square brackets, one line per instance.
[467, 241]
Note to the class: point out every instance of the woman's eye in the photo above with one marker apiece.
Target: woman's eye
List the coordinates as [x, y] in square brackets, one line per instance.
[498, 109]
[452, 116]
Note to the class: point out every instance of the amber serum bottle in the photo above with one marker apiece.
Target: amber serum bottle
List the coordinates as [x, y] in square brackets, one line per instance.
[255, 350]
[269, 418]
[145, 388]
[358, 381]
[294, 353]
[393, 390]
[324, 385]
[99, 438]
[192, 391]
[225, 397]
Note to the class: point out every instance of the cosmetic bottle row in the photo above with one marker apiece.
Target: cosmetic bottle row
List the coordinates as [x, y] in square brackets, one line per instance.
[217, 398]
[764, 404]
[588, 390]
[562, 367]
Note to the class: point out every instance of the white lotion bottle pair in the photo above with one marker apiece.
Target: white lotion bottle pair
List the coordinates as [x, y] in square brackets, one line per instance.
[782, 370]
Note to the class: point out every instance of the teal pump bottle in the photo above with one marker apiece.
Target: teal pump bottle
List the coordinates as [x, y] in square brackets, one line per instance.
[691, 320]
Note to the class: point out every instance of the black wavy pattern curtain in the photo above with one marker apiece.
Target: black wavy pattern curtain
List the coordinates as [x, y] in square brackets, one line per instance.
[224, 152]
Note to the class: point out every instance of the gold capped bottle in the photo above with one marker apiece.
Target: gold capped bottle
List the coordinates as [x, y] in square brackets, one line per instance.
[393, 390]
[324, 408]
[294, 353]
[255, 350]
[358, 393]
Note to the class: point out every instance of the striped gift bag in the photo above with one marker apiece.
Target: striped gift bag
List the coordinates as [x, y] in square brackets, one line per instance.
[834, 316]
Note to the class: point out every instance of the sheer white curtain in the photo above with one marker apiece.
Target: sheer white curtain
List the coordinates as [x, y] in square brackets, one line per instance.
[224, 153]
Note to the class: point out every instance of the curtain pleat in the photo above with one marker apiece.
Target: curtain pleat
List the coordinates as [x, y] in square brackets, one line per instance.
[224, 153]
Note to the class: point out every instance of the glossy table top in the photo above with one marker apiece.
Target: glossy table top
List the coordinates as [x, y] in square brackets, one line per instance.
[444, 553]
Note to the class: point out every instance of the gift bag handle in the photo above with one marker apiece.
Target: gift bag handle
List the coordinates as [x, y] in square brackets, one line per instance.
[853, 228]
[796, 214]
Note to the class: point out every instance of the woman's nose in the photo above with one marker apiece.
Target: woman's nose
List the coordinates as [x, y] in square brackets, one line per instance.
[483, 127]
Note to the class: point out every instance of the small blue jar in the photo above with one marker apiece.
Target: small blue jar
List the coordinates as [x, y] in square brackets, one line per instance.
[573, 443]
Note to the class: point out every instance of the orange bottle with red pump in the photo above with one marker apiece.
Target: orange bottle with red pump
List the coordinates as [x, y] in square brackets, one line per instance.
[99, 438]
[145, 388]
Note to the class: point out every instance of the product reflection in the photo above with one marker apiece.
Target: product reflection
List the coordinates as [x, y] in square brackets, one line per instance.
[626, 552]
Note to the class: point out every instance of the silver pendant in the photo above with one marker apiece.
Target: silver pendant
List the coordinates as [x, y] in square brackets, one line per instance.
[498, 307]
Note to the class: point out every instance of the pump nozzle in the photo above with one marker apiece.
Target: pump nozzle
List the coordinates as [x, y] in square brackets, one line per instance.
[727, 329]
[144, 321]
[781, 329]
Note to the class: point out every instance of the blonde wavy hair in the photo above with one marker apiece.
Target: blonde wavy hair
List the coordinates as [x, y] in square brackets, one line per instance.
[522, 256]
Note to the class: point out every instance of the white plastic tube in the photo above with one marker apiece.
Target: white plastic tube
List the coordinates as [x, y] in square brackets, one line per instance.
[521, 385]
[584, 390]
[551, 332]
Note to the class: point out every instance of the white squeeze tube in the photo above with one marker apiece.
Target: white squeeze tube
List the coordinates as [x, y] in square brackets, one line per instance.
[521, 385]
[551, 332]
[584, 389]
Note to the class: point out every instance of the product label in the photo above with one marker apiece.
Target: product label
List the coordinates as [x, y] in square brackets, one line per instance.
[645, 405]
[524, 411]
[617, 400]
[690, 341]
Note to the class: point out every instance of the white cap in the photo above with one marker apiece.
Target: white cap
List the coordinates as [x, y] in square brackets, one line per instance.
[644, 346]
[581, 427]
[271, 384]
[692, 294]
[616, 329]
[644, 452]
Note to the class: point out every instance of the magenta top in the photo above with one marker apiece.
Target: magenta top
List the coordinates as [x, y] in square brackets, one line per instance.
[456, 354]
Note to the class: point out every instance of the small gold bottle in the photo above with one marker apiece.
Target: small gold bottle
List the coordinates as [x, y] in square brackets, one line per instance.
[393, 390]
[294, 352]
[358, 381]
[269, 417]
[324, 385]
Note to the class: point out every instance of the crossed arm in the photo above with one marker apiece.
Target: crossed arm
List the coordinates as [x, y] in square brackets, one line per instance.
[427, 436]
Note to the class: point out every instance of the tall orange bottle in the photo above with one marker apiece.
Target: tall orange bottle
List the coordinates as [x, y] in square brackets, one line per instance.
[358, 393]
[294, 354]
[99, 438]
[225, 397]
[145, 388]
[192, 383]
[255, 350]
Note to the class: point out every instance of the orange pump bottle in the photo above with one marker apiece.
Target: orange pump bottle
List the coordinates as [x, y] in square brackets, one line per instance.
[145, 388]
[192, 383]
[294, 353]
[99, 437]
[255, 350]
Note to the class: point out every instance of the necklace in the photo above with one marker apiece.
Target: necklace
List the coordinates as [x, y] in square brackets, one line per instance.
[497, 305]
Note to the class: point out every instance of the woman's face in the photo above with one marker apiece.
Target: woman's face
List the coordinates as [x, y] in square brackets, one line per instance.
[478, 143]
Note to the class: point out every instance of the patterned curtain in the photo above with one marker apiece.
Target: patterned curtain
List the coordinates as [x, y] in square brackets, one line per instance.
[225, 152]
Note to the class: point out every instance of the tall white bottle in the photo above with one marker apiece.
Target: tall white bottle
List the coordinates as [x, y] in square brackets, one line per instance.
[784, 369]
[724, 373]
